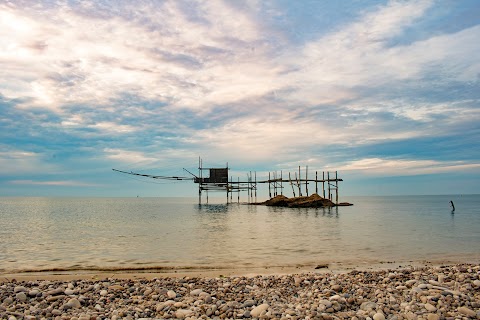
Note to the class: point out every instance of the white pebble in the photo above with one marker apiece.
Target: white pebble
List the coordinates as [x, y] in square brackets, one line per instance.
[258, 310]
[378, 316]
[171, 294]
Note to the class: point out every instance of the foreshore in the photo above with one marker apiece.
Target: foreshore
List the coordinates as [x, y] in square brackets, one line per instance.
[408, 292]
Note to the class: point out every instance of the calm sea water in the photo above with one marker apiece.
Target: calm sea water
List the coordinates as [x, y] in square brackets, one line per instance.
[91, 233]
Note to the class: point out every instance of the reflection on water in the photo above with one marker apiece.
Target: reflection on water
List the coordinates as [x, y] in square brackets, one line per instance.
[42, 233]
[212, 208]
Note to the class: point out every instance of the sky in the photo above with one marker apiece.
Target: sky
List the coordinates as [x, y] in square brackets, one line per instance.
[387, 93]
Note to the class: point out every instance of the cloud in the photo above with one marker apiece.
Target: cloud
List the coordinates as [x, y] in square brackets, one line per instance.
[406, 167]
[17, 162]
[112, 128]
[59, 183]
[127, 156]
[335, 66]
[161, 53]
[201, 57]
[153, 82]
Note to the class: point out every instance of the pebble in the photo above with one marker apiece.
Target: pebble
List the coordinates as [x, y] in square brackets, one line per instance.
[447, 292]
[69, 292]
[33, 292]
[430, 308]
[337, 288]
[183, 313]
[73, 303]
[258, 310]
[433, 316]
[171, 294]
[378, 316]
[466, 311]
[368, 305]
[21, 296]
[56, 291]
[196, 292]
[19, 289]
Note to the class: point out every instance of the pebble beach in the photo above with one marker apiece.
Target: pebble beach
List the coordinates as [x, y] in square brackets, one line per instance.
[432, 293]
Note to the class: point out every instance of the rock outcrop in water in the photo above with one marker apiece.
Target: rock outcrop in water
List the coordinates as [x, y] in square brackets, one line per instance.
[313, 201]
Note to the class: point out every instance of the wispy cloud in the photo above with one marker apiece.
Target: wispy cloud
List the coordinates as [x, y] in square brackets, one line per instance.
[406, 167]
[158, 53]
[89, 84]
[127, 156]
[59, 183]
[15, 162]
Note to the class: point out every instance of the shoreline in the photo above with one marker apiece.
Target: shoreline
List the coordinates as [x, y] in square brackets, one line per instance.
[222, 271]
[430, 292]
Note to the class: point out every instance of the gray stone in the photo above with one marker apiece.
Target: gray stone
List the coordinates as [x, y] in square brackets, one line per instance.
[326, 303]
[56, 291]
[196, 292]
[8, 300]
[56, 312]
[20, 289]
[368, 305]
[74, 303]
[69, 292]
[206, 297]
[248, 303]
[33, 292]
[21, 296]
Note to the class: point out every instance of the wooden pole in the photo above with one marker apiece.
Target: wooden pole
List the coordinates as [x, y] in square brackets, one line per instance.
[269, 190]
[255, 186]
[238, 195]
[336, 186]
[299, 182]
[298, 185]
[248, 188]
[291, 184]
[316, 182]
[251, 187]
[276, 183]
[228, 187]
[274, 174]
[329, 191]
[281, 182]
[200, 180]
[306, 180]
[323, 183]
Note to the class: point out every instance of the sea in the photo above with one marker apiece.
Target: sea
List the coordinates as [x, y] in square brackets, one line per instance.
[69, 234]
